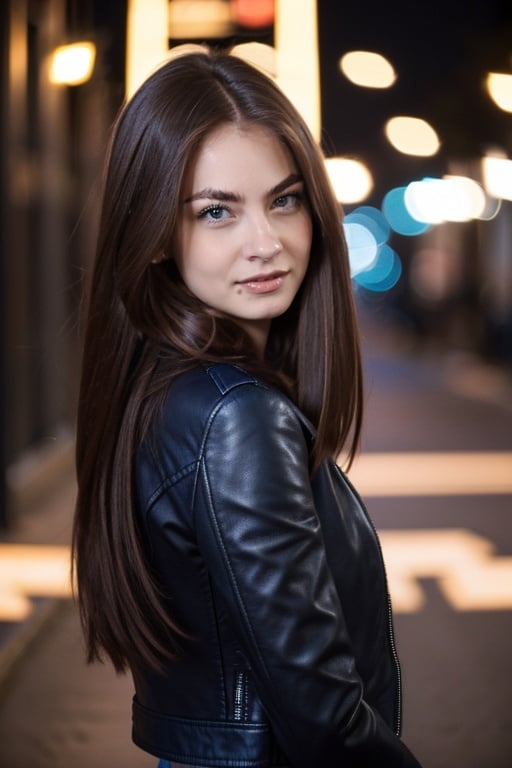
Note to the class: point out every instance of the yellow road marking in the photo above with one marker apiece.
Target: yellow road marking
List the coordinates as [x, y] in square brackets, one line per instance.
[31, 571]
[432, 474]
[469, 574]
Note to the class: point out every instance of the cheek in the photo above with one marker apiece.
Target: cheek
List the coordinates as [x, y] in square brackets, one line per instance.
[304, 240]
[191, 258]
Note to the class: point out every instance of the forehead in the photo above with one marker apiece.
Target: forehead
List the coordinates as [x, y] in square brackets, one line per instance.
[232, 154]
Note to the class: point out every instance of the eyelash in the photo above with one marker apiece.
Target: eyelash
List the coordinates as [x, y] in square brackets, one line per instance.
[295, 197]
[210, 209]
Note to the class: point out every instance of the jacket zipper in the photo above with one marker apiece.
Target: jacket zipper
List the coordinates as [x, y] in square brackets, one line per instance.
[240, 697]
[391, 634]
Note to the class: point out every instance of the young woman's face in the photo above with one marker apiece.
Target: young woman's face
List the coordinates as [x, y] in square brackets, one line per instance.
[245, 230]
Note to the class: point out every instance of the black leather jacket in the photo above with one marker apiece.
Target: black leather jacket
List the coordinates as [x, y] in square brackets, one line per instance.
[279, 580]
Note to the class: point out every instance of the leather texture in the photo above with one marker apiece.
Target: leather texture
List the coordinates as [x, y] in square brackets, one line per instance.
[278, 579]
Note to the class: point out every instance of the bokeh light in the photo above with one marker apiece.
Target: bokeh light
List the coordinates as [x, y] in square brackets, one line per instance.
[374, 265]
[399, 218]
[374, 220]
[452, 198]
[72, 64]
[351, 180]
[253, 13]
[260, 55]
[412, 136]
[499, 88]
[362, 245]
[384, 273]
[367, 69]
[497, 176]
[491, 209]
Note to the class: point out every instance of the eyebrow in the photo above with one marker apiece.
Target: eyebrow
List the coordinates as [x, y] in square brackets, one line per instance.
[208, 193]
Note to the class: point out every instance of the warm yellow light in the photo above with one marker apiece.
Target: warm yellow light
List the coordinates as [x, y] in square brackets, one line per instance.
[499, 87]
[296, 41]
[200, 19]
[412, 136]
[28, 571]
[72, 64]
[465, 473]
[147, 43]
[260, 55]
[497, 176]
[351, 180]
[370, 70]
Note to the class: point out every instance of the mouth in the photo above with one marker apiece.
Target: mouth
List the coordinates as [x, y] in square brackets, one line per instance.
[264, 277]
[265, 282]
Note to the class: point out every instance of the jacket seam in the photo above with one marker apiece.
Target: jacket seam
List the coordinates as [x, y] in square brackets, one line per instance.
[168, 482]
[202, 470]
[220, 542]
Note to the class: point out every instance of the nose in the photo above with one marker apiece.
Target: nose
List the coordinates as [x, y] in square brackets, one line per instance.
[261, 242]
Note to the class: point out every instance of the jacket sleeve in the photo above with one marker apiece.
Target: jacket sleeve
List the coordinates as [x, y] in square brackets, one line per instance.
[261, 537]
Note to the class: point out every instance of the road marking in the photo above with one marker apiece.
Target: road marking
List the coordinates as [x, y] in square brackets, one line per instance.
[432, 474]
[469, 574]
[31, 571]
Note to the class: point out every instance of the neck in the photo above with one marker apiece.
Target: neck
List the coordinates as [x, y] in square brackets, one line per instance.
[259, 334]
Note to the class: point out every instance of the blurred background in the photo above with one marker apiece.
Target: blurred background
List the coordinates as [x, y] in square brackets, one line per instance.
[412, 105]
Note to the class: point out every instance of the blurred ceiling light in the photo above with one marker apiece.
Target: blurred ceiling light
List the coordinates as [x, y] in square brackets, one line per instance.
[452, 198]
[259, 55]
[253, 13]
[147, 40]
[497, 176]
[296, 42]
[370, 70]
[72, 64]
[351, 179]
[499, 87]
[412, 136]
[189, 19]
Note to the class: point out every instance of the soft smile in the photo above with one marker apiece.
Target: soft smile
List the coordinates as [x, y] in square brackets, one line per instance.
[264, 283]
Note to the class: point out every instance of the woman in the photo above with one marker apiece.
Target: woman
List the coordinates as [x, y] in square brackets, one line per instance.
[220, 553]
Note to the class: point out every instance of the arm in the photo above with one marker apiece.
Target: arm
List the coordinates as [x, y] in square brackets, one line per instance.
[260, 534]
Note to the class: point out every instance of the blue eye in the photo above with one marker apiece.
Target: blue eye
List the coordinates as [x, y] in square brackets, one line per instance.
[213, 213]
[290, 200]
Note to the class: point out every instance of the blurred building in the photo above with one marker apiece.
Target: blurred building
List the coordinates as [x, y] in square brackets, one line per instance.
[52, 137]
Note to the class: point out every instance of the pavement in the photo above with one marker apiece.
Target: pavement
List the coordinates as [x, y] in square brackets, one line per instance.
[453, 630]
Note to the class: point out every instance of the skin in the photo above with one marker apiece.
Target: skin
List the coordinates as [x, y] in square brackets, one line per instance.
[245, 229]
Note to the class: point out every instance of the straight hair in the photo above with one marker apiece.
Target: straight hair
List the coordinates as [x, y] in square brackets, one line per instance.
[144, 327]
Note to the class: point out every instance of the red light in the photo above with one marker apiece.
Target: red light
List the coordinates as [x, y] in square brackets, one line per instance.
[253, 13]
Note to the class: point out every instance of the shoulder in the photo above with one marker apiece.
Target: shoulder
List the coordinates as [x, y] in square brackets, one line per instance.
[224, 397]
[194, 395]
[198, 395]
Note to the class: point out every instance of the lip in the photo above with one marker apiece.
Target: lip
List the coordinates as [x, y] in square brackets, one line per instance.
[265, 282]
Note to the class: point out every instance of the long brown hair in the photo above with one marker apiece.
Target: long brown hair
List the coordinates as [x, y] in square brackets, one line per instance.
[144, 327]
